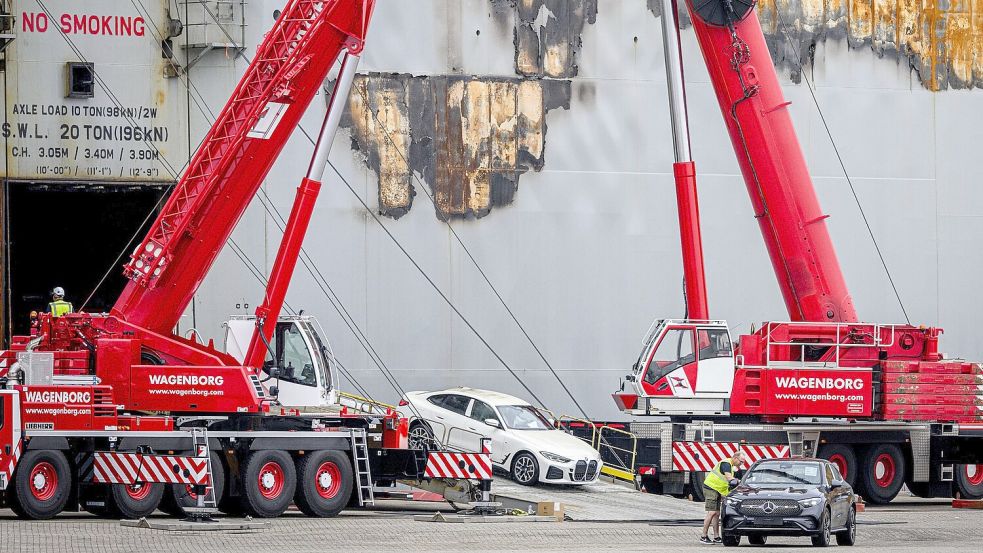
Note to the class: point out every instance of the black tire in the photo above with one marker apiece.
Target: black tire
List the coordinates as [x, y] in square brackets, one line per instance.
[184, 495]
[42, 484]
[880, 484]
[844, 458]
[969, 487]
[421, 436]
[169, 505]
[730, 540]
[849, 536]
[271, 497]
[755, 539]
[325, 483]
[134, 501]
[232, 506]
[824, 537]
[525, 469]
[651, 484]
[919, 489]
[696, 486]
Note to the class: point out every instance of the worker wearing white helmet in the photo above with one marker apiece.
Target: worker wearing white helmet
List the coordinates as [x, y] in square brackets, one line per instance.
[58, 305]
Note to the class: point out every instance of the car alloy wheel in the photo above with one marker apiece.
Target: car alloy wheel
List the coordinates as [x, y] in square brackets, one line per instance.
[849, 536]
[524, 469]
[822, 539]
[421, 437]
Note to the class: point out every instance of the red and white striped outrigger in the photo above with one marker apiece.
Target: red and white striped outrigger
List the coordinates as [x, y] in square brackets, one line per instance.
[138, 468]
[470, 466]
[703, 456]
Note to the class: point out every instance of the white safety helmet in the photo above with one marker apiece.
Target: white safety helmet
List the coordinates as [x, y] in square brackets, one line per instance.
[58, 291]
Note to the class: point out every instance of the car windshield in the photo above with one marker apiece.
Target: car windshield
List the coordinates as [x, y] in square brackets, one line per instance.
[523, 417]
[783, 474]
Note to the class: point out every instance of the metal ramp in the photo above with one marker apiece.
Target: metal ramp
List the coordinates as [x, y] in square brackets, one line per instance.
[602, 501]
[363, 474]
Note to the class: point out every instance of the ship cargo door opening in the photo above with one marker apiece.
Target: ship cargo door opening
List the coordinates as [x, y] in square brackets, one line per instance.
[70, 236]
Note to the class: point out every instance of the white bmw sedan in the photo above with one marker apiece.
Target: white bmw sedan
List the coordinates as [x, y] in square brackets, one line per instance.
[523, 442]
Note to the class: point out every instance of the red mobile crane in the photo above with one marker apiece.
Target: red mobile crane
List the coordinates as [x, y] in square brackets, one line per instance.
[101, 410]
[878, 400]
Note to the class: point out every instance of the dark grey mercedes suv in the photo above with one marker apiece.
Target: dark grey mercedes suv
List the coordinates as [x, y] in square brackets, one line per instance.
[790, 497]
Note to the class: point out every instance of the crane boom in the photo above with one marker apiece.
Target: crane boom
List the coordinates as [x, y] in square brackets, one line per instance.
[774, 169]
[167, 267]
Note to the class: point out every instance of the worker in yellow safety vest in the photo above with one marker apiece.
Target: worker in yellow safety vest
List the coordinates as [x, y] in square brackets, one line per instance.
[58, 305]
[715, 487]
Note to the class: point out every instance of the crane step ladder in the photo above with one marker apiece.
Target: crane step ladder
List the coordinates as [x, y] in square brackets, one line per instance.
[363, 474]
[206, 505]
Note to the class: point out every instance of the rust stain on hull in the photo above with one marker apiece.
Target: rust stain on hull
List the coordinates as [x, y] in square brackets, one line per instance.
[942, 40]
[468, 138]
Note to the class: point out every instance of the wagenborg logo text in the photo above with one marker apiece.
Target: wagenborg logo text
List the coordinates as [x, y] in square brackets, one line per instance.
[186, 380]
[813, 383]
[59, 397]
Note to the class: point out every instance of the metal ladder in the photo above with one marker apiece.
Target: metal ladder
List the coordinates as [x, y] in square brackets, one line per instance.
[206, 502]
[363, 474]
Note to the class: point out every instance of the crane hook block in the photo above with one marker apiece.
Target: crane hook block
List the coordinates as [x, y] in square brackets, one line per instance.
[722, 13]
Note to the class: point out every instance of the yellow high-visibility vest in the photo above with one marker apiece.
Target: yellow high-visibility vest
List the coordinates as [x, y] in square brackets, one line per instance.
[716, 480]
[60, 307]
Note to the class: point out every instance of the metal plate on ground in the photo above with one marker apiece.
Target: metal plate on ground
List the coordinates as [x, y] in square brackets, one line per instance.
[470, 519]
[598, 501]
[186, 526]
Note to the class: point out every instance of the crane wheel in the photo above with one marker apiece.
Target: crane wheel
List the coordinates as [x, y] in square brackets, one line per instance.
[696, 486]
[133, 501]
[325, 483]
[268, 483]
[42, 484]
[881, 475]
[844, 458]
[184, 495]
[969, 481]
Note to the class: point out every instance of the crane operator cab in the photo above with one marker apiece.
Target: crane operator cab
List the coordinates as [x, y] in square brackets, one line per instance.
[305, 362]
[685, 367]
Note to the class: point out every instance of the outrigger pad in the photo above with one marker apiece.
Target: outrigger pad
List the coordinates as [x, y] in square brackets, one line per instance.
[185, 526]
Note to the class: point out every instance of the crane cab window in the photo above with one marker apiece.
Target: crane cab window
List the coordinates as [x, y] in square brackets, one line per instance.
[294, 356]
[674, 351]
[713, 343]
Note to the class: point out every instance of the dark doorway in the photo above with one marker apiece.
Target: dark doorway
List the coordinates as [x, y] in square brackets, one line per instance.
[69, 235]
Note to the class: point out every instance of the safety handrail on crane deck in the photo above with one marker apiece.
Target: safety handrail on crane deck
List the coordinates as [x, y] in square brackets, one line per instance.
[364, 404]
[565, 422]
[598, 441]
[622, 470]
[838, 346]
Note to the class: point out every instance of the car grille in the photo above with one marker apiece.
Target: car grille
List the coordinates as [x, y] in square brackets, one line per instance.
[770, 507]
[591, 470]
[579, 471]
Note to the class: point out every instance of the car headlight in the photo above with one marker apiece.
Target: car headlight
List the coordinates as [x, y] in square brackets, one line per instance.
[554, 457]
[812, 502]
[732, 501]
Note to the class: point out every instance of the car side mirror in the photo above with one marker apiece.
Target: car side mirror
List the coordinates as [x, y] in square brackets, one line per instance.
[837, 484]
[493, 422]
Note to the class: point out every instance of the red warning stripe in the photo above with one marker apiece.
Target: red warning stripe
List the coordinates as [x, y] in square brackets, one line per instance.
[129, 468]
[8, 471]
[470, 466]
[703, 456]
